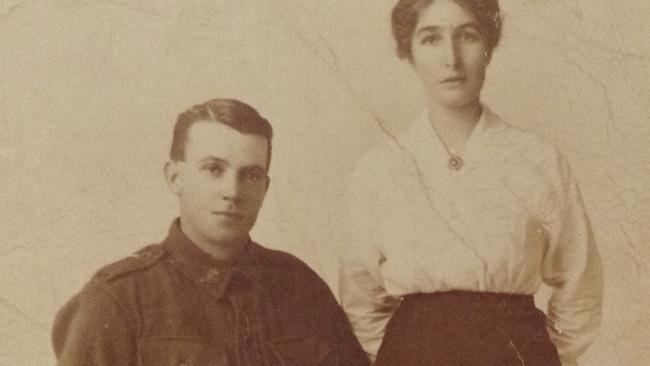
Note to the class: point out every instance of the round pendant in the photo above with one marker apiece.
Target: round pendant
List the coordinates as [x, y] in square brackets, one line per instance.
[455, 163]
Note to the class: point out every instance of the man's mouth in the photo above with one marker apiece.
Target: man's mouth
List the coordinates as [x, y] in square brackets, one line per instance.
[230, 214]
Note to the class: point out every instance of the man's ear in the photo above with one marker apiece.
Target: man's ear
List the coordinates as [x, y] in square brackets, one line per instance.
[171, 176]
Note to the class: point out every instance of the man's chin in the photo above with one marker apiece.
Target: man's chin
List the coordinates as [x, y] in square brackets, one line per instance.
[225, 236]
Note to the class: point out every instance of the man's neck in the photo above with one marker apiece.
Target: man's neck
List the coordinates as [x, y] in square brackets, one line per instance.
[222, 251]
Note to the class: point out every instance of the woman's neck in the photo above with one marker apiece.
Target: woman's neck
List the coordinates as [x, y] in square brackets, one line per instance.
[454, 125]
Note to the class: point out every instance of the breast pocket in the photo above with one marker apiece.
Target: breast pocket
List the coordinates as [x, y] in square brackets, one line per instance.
[170, 351]
[302, 351]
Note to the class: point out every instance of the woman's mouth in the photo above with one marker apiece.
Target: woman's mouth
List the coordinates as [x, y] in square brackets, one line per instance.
[454, 79]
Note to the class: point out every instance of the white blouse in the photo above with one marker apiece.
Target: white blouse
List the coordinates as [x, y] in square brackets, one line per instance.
[508, 220]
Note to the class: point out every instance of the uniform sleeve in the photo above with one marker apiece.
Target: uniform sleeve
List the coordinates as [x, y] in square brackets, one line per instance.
[331, 315]
[92, 330]
[362, 292]
[572, 266]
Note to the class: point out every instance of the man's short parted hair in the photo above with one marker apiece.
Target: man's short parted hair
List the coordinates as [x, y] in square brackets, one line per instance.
[233, 113]
[406, 13]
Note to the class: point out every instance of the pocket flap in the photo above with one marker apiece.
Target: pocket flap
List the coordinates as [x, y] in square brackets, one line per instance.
[300, 351]
[181, 351]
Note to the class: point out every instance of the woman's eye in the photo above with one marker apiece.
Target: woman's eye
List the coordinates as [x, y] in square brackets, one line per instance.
[470, 36]
[430, 39]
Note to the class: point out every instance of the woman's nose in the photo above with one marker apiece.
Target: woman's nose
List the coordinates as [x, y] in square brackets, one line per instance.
[451, 53]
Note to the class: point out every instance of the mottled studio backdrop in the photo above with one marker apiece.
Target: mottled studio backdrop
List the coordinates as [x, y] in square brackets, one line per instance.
[89, 91]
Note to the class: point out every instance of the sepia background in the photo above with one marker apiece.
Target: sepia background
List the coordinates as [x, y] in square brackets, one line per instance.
[89, 91]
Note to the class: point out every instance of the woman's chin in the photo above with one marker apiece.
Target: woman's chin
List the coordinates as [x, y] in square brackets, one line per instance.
[456, 101]
[455, 98]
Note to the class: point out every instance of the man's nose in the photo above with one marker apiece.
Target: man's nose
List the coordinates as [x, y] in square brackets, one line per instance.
[230, 187]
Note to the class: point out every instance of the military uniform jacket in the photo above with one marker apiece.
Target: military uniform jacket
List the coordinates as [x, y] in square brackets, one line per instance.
[172, 304]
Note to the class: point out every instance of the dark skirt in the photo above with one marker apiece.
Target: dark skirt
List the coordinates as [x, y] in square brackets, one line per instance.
[460, 328]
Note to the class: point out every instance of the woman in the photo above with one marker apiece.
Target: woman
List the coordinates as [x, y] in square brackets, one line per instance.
[456, 223]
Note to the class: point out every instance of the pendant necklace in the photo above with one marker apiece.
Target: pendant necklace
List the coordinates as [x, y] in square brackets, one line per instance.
[455, 162]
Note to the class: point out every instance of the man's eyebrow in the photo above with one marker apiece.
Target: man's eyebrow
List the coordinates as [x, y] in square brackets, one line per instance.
[214, 159]
[253, 167]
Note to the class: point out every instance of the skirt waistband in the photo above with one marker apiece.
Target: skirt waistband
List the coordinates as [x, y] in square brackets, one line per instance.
[471, 299]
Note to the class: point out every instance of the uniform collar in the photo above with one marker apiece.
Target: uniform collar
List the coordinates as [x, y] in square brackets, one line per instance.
[214, 276]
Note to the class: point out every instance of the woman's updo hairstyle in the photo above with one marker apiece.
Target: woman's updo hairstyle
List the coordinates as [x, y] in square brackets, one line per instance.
[406, 13]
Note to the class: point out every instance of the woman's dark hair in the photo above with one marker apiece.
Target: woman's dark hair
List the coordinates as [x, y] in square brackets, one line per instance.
[406, 13]
[230, 112]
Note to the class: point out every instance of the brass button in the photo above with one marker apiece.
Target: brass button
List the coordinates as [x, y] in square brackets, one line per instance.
[211, 275]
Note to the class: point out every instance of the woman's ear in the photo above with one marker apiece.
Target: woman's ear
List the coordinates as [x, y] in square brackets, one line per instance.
[172, 170]
[488, 57]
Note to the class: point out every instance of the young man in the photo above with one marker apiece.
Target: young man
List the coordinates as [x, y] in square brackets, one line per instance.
[208, 295]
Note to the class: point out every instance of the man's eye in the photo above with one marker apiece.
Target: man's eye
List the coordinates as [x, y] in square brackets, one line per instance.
[214, 169]
[254, 177]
